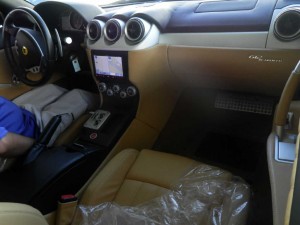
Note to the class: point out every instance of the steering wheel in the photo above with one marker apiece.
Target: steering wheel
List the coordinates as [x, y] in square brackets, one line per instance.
[29, 51]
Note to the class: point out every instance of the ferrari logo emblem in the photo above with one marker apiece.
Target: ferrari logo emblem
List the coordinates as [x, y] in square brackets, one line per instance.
[24, 50]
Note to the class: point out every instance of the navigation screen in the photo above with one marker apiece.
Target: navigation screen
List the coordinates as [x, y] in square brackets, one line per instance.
[108, 65]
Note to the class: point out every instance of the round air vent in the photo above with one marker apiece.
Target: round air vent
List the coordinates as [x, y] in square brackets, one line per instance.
[287, 25]
[113, 29]
[136, 29]
[94, 29]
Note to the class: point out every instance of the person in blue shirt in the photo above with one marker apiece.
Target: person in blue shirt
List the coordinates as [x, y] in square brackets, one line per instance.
[18, 129]
[22, 120]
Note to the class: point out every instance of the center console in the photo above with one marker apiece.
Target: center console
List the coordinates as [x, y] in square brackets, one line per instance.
[111, 73]
[65, 169]
[120, 98]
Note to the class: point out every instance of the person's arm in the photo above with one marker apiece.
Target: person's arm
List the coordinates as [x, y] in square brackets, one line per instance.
[12, 145]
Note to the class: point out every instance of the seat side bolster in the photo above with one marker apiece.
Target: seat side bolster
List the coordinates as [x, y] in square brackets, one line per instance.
[110, 179]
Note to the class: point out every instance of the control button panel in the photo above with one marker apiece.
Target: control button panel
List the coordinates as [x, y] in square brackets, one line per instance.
[117, 90]
[97, 119]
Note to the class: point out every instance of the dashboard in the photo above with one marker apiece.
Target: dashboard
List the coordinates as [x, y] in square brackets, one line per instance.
[236, 23]
[262, 35]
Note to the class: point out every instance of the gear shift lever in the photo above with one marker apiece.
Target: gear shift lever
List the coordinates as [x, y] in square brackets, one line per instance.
[43, 140]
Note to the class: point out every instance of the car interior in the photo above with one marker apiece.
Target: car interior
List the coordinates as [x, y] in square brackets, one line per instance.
[205, 87]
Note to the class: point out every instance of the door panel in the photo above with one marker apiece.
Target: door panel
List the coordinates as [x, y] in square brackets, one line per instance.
[292, 215]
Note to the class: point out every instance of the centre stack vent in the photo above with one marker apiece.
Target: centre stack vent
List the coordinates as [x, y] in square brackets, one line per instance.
[136, 30]
[287, 25]
[113, 30]
[94, 29]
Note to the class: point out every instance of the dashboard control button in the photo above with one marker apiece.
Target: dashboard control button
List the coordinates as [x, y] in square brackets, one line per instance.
[102, 87]
[109, 92]
[123, 94]
[131, 91]
[116, 88]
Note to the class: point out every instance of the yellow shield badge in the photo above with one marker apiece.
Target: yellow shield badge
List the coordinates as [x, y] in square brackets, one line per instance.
[24, 50]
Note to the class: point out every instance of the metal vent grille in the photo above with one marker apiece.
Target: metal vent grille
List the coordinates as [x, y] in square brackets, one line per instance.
[244, 103]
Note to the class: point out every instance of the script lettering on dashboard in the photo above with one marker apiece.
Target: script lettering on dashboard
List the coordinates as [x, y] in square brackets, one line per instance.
[261, 58]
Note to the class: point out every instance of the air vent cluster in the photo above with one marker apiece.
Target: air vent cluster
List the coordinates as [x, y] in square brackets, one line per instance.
[287, 25]
[135, 30]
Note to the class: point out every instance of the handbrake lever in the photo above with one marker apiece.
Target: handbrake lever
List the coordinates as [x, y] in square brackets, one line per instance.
[43, 140]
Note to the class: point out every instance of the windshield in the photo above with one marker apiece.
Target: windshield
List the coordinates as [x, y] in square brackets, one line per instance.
[34, 2]
[97, 2]
[104, 2]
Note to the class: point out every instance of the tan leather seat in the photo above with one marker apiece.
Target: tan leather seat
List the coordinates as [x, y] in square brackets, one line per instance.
[133, 177]
[20, 214]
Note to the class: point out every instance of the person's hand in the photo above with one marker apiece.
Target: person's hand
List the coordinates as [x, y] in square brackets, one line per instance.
[13, 145]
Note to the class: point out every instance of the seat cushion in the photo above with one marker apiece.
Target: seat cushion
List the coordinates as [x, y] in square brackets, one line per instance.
[134, 177]
[20, 214]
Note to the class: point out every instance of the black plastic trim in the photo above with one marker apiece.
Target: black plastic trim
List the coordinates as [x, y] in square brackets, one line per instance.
[198, 16]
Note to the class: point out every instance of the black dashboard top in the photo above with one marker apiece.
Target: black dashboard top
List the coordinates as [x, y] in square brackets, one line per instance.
[231, 16]
[241, 23]
[184, 16]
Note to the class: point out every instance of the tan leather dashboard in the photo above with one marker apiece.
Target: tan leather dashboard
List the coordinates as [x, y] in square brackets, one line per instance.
[258, 71]
[162, 72]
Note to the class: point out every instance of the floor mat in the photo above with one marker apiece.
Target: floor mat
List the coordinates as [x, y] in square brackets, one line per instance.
[229, 151]
[228, 134]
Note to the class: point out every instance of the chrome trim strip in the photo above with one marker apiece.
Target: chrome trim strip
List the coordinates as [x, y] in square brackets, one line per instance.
[5, 85]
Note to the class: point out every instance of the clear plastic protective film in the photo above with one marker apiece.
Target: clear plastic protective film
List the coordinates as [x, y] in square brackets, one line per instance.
[204, 196]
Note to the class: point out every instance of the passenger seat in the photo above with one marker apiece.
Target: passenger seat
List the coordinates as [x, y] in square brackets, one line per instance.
[132, 177]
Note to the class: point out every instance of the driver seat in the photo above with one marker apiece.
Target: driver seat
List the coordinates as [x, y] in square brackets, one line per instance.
[50, 100]
[134, 177]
